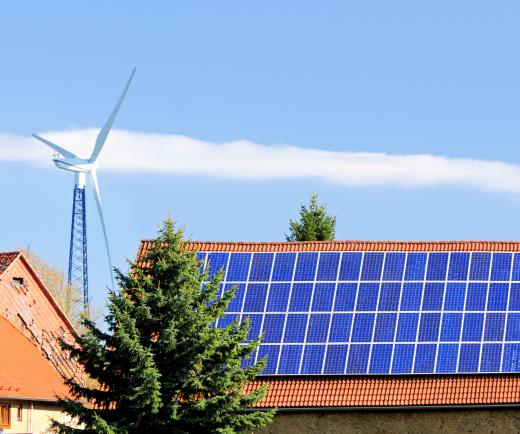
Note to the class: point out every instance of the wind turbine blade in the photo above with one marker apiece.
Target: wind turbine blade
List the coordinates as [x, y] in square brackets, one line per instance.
[57, 148]
[95, 188]
[103, 134]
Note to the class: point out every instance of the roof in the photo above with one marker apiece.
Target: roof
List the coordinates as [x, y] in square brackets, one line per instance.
[24, 371]
[331, 246]
[6, 259]
[362, 391]
[33, 310]
[388, 391]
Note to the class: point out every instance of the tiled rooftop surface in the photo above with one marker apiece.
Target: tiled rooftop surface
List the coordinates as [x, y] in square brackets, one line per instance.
[372, 246]
[30, 307]
[390, 391]
[6, 259]
[24, 371]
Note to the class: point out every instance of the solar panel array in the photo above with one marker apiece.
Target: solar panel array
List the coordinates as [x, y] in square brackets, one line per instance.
[376, 312]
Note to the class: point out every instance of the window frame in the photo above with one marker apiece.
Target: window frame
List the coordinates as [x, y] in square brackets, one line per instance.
[7, 407]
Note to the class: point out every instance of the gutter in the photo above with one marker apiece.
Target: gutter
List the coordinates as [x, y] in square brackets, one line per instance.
[28, 398]
[409, 408]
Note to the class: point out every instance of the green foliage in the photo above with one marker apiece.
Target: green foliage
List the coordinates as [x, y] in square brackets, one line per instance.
[314, 223]
[160, 367]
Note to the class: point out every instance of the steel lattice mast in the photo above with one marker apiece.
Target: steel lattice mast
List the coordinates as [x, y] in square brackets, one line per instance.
[78, 263]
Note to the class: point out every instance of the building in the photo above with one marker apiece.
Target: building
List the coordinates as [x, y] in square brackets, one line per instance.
[30, 358]
[379, 336]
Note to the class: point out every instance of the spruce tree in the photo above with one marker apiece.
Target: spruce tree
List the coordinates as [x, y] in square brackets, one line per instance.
[161, 366]
[314, 224]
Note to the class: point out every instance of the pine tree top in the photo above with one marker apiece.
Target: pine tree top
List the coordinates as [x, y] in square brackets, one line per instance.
[314, 223]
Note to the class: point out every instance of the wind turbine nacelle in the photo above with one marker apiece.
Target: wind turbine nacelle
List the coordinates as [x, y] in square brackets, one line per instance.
[73, 164]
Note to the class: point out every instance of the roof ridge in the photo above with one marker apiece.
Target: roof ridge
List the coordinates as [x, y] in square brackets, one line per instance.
[347, 245]
[147, 240]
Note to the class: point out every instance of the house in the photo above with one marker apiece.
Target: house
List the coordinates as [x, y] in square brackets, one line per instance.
[31, 361]
[379, 336]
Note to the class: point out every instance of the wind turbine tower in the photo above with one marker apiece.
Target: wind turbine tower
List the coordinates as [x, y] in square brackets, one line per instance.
[78, 265]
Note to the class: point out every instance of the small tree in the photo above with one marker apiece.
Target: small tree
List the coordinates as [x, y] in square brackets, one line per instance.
[314, 223]
[162, 367]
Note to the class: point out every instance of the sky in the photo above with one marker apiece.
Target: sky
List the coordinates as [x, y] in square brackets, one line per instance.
[403, 116]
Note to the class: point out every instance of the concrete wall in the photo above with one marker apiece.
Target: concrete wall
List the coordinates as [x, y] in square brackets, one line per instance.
[438, 421]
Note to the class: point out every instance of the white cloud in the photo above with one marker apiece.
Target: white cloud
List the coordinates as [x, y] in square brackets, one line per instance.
[162, 153]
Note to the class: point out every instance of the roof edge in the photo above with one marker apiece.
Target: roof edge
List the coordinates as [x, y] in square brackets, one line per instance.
[346, 245]
[394, 408]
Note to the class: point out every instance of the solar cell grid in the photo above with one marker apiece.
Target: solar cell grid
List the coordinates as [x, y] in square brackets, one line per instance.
[376, 312]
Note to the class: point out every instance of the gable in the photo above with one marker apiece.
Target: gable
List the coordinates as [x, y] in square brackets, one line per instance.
[28, 306]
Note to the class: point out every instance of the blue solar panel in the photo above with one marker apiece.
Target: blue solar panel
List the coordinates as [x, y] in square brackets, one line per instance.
[273, 328]
[318, 328]
[312, 359]
[238, 267]
[415, 266]
[323, 297]
[328, 268]
[335, 360]
[350, 266]
[278, 297]
[261, 267]
[306, 266]
[376, 312]
[283, 267]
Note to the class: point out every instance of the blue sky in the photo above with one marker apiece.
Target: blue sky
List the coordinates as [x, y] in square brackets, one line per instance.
[390, 80]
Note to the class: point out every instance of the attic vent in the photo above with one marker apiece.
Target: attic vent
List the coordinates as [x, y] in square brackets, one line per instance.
[18, 282]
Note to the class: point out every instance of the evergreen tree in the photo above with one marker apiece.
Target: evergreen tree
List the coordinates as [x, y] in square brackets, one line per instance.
[314, 223]
[161, 367]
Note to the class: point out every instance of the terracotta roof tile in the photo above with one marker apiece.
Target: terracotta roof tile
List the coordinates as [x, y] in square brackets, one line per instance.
[6, 259]
[425, 246]
[309, 392]
[24, 371]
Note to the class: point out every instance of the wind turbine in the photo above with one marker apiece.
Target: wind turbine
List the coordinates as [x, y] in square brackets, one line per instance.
[84, 168]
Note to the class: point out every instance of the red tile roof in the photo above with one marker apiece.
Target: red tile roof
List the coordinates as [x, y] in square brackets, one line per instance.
[24, 371]
[372, 391]
[389, 391]
[376, 246]
[34, 311]
[6, 259]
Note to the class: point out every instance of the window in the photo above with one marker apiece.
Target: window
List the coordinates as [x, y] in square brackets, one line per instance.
[19, 412]
[5, 415]
[18, 282]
